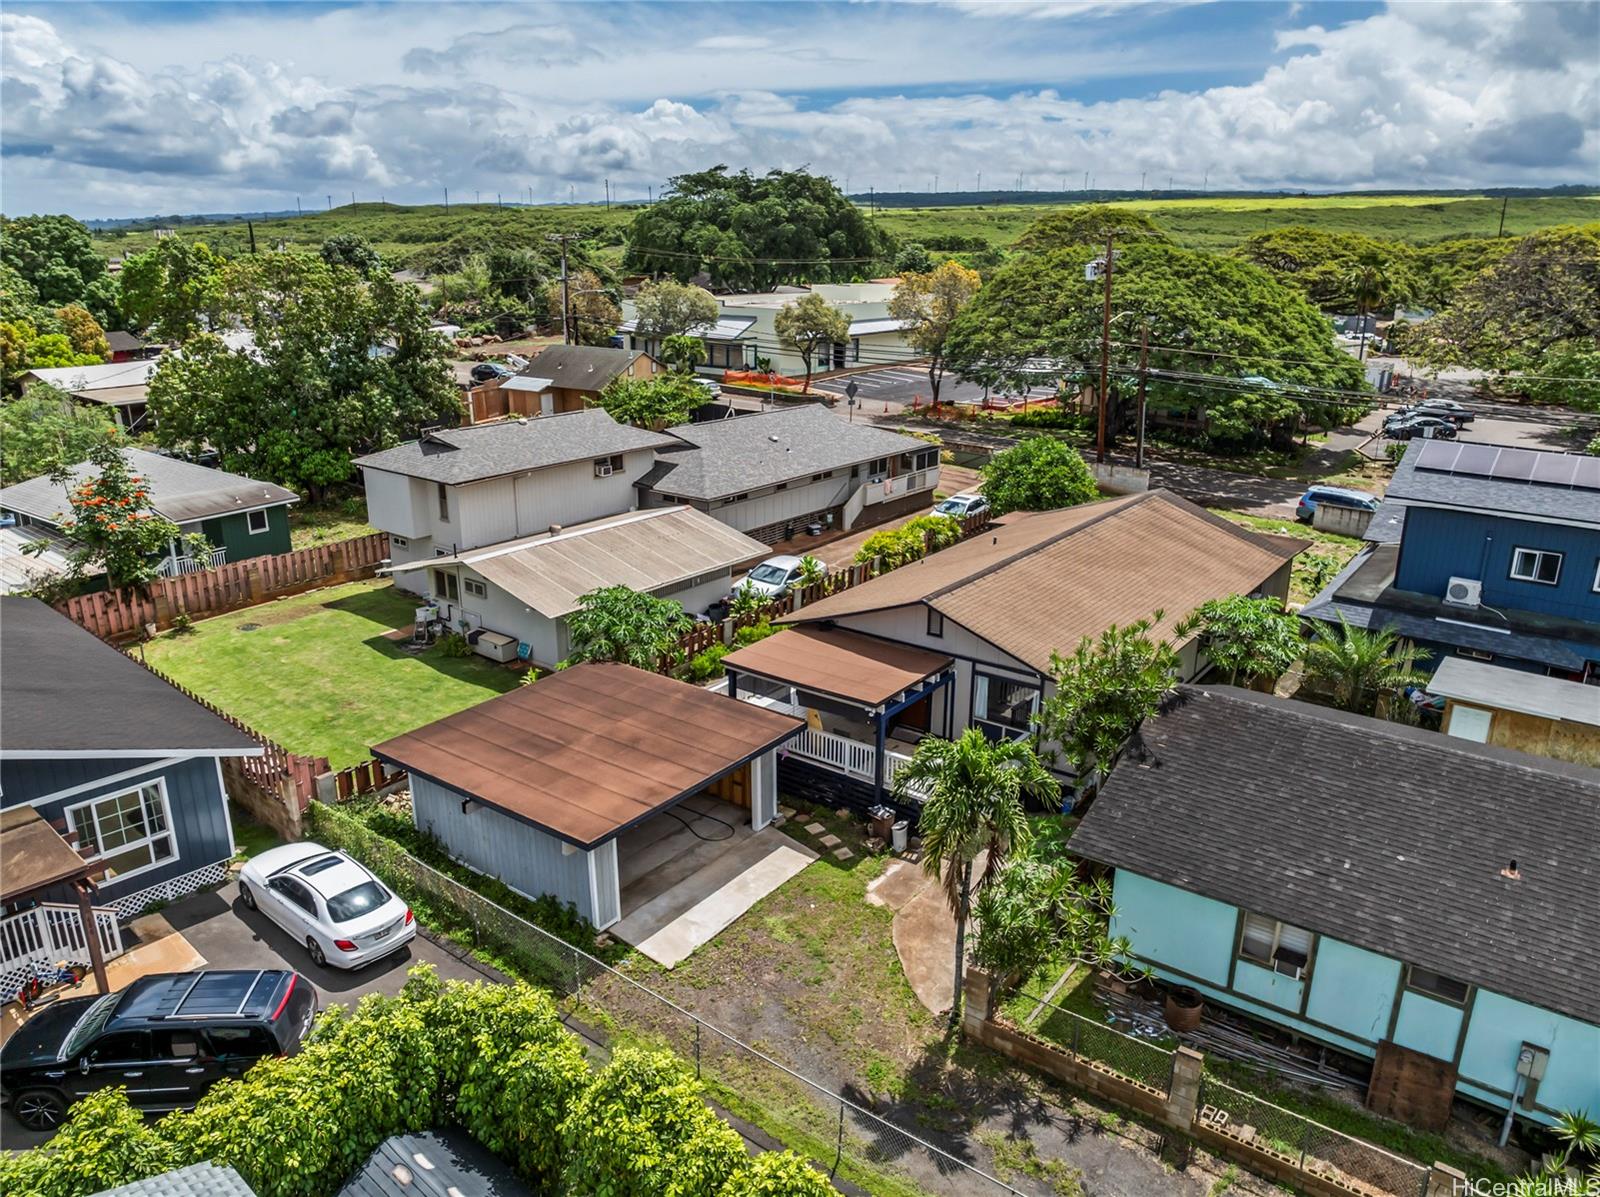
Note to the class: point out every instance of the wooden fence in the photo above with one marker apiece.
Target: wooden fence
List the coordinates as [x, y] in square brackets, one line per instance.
[126, 614]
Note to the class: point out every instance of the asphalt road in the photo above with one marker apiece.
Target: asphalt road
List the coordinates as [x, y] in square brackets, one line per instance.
[890, 389]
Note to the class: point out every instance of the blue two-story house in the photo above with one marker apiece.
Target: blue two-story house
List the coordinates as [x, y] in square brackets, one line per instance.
[122, 767]
[1483, 551]
[1415, 902]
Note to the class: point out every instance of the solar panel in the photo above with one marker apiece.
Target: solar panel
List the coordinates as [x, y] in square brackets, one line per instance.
[1556, 469]
[1588, 475]
[1437, 455]
[1515, 465]
[1477, 460]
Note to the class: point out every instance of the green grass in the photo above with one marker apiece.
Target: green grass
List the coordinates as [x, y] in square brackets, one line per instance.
[251, 838]
[317, 675]
[315, 524]
[1327, 551]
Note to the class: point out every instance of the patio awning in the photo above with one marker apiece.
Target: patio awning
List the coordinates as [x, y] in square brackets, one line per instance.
[838, 664]
[33, 856]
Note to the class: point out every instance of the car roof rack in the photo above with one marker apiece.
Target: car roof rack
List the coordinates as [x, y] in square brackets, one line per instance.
[204, 991]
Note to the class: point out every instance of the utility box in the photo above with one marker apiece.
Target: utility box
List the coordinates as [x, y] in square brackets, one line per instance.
[1531, 1062]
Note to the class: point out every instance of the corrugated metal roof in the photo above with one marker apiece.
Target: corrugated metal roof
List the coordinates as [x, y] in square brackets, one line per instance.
[1516, 690]
[18, 570]
[589, 751]
[643, 550]
[180, 490]
[878, 324]
[92, 378]
[838, 663]
[726, 328]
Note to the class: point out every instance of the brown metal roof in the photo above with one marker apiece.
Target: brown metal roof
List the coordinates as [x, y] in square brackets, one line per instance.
[33, 855]
[591, 750]
[838, 664]
[1040, 584]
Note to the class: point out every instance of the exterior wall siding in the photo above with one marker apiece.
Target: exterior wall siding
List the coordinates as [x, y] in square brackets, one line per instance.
[791, 503]
[527, 859]
[392, 505]
[232, 532]
[195, 801]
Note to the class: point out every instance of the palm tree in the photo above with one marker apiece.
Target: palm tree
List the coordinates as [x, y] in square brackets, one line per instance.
[1370, 284]
[974, 789]
[1361, 666]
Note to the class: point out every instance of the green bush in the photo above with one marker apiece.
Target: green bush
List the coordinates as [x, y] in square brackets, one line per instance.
[907, 543]
[105, 1143]
[455, 645]
[704, 666]
[1053, 417]
[777, 1174]
[752, 632]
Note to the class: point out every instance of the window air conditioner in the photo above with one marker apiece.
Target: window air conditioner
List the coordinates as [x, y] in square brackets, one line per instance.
[602, 469]
[1464, 592]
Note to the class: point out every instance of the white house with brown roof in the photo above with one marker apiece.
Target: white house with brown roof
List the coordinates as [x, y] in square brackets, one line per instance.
[977, 624]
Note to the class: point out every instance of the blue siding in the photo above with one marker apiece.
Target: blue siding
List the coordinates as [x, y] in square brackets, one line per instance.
[1439, 545]
[1500, 1026]
[194, 796]
[1428, 1026]
[1180, 929]
[1267, 986]
[1352, 989]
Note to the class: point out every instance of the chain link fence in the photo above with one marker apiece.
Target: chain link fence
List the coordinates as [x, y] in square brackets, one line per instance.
[1129, 1056]
[1315, 1147]
[840, 1135]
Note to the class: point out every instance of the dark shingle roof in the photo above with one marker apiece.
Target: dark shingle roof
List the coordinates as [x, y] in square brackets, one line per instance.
[471, 454]
[726, 457]
[63, 691]
[580, 367]
[123, 342]
[436, 1163]
[197, 1180]
[1502, 496]
[180, 490]
[1388, 837]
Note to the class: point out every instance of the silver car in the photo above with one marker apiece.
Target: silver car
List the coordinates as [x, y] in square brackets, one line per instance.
[344, 915]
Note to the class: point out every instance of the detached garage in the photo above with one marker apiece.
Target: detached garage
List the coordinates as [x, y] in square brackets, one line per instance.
[635, 797]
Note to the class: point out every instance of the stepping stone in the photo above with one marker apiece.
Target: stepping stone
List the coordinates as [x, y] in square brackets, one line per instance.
[843, 853]
[815, 828]
[786, 811]
[829, 841]
[844, 812]
[780, 820]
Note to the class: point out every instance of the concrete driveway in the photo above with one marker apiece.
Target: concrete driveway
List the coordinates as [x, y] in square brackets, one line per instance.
[226, 935]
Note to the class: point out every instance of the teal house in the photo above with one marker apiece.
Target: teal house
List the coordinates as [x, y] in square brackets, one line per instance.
[1424, 906]
[239, 517]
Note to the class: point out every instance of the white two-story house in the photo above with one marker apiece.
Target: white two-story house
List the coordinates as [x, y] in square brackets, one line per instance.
[464, 488]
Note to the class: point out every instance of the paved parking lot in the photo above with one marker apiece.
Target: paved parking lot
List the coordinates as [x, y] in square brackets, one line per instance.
[888, 389]
[227, 935]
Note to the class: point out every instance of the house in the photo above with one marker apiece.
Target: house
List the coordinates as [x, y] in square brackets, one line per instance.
[443, 1162]
[111, 782]
[964, 637]
[561, 378]
[125, 347]
[122, 387]
[745, 329]
[240, 517]
[21, 569]
[1514, 708]
[525, 588]
[463, 488]
[632, 796]
[1416, 901]
[775, 472]
[1486, 552]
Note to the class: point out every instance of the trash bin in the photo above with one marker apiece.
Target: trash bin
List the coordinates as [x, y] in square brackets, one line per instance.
[901, 833]
[880, 819]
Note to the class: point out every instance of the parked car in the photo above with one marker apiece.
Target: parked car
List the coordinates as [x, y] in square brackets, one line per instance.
[1446, 407]
[344, 915]
[1419, 425]
[489, 371]
[774, 576]
[962, 506]
[167, 1038]
[1336, 496]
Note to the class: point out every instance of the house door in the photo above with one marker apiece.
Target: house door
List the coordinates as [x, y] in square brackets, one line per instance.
[914, 717]
[838, 355]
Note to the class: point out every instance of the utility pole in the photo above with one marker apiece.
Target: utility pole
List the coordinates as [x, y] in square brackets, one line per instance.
[608, 195]
[447, 199]
[1504, 200]
[250, 225]
[1144, 374]
[297, 210]
[566, 296]
[1105, 354]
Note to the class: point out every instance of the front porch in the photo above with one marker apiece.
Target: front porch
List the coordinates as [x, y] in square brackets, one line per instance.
[866, 702]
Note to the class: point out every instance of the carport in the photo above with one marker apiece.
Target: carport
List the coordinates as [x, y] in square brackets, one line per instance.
[639, 799]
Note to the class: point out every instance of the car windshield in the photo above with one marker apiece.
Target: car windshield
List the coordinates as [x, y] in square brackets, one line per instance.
[88, 1026]
[353, 903]
[768, 573]
[953, 506]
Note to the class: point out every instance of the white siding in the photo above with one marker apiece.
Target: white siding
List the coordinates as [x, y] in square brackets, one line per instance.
[763, 789]
[484, 512]
[391, 506]
[415, 548]
[504, 613]
[696, 599]
[571, 494]
[605, 885]
[797, 500]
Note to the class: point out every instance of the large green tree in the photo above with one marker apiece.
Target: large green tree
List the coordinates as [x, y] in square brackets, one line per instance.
[656, 402]
[752, 232]
[809, 326]
[1249, 354]
[1252, 640]
[669, 309]
[1086, 225]
[928, 305]
[174, 289]
[1319, 262]
[340, 365]
[57, 258]
[45, 431]
[1037, 474]
[972, 792]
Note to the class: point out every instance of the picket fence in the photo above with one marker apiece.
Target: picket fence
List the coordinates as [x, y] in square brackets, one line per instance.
[126, 614]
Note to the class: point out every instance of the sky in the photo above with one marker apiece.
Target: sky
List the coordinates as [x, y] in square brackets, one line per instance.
[141, 108]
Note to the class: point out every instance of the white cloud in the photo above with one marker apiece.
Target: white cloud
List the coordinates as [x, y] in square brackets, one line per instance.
[1415, 96]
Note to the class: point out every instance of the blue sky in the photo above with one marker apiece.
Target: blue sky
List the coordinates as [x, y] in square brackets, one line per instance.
[131, 108]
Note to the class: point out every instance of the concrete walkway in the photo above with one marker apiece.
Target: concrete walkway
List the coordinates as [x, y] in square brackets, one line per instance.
[924, 930]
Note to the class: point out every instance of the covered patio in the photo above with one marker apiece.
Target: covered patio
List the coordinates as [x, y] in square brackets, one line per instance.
[641, 800]
[866, 702]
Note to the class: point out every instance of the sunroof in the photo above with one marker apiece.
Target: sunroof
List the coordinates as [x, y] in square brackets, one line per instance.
[321, 865]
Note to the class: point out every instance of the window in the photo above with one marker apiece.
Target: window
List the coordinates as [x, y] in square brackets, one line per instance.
[927, 459]
[1447, 989]
[606, 466]
[295, 893]
[125, 833]
[353, 903]
[935, 623]
[444, 501]
[257, 521]
[1596, 586]
[175, 1044]
[235, 1042]
[1282, 947]
[444, 586]
[1002, 706]
[1536, 565]
[820, 477]
[399, 542]
[475, 589]
[121, 1047]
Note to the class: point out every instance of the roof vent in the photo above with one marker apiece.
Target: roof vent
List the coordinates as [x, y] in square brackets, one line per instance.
[1510, 872]
[772, 438]
[555, 529]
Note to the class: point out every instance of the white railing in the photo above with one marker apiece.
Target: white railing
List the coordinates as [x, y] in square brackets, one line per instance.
[51, 932]
[902, 484]
[172, 567]
[832, 751]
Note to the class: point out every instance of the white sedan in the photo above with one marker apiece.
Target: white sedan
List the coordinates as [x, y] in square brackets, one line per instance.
[344, 915]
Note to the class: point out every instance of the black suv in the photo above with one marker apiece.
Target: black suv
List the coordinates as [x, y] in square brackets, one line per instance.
[167, 1038]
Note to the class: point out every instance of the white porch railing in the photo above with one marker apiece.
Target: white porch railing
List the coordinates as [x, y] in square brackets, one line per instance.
[51, 932]
[172, 567]
[902, 484]
[832, 751]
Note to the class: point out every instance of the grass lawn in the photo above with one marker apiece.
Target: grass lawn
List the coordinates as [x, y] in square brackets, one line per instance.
[342, 519]
[315, 673]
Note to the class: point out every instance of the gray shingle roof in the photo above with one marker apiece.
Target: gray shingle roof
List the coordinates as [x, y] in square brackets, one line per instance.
[458, 455]
[1391, 838]
[180, 490]
[436, 1163]
[580, 367]
[1500, 496]
[197, 1180]
[727, 457]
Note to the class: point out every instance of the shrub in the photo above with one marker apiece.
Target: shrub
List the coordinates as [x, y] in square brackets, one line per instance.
[777, 1174]
[704, 666]
[752, 632]
[908, 543]
[455, 645]
[105, 1143]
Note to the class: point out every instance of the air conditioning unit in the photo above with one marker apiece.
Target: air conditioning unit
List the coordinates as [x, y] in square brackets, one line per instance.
[1464, 592]
[602, 469]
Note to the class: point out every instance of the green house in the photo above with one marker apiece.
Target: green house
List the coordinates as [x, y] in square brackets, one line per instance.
[239, 517]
